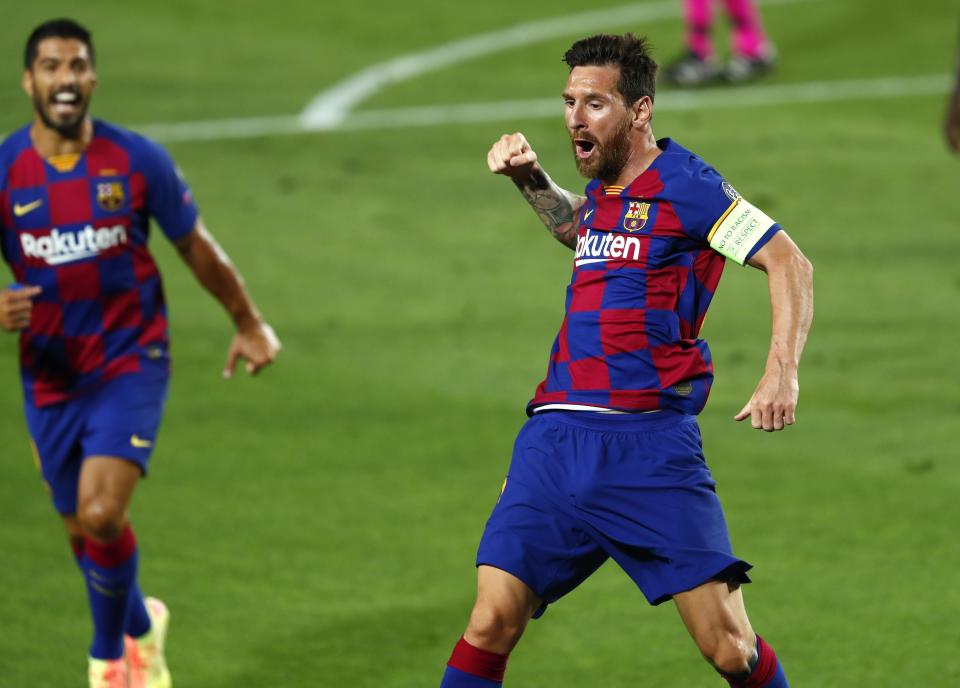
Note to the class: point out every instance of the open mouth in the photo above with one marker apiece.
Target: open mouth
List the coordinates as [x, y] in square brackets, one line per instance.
[65, 102]
[584, 148]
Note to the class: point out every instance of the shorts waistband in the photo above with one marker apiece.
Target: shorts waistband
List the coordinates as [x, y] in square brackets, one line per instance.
[615, 422]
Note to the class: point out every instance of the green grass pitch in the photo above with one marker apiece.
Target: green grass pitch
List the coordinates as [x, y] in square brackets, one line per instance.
[316, 526]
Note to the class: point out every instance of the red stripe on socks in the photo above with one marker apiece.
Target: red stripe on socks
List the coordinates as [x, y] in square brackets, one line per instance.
[763, 671]
[110, 554]
[476, 662]
[766, 665]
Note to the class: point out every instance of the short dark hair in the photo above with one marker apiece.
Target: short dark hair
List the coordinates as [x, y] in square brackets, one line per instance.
[56, 28]
[638, 71]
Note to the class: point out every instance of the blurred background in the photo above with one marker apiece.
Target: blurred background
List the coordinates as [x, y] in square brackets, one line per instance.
[317, 526]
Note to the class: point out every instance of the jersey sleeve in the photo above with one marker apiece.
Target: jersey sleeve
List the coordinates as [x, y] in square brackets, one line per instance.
[4, 208]
[719, 216]
[169, 199]
[5, 251]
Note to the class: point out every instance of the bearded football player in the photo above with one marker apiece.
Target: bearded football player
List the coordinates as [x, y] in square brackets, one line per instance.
[610, 463]
[76, 198]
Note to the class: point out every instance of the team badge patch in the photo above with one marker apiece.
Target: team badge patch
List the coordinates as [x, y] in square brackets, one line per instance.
[110, 196]
[636, 217]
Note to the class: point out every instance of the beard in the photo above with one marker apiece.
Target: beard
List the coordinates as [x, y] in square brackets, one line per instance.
[610, 157]
[70, 128]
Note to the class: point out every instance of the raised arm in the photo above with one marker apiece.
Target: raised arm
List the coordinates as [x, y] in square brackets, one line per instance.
[790, 277]
[255, 340]
[557, 208]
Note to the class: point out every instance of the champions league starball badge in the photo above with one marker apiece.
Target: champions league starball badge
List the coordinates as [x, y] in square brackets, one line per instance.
[729, 190]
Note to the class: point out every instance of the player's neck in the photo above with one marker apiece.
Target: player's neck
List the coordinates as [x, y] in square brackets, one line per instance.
[50, 143]
[642, 154]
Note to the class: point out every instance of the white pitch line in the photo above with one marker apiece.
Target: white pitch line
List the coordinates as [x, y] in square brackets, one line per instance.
[220, 129]
[756, 95]
[330, 108]
[706, 100]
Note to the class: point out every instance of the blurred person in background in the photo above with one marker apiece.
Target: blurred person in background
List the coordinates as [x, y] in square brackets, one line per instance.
[753, 55]
[76, 197]
[951, 125]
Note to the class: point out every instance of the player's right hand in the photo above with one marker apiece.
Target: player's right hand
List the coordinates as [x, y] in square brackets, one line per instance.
[512, 156]
[16, 307]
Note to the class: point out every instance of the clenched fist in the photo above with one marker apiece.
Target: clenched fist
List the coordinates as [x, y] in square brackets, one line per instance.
[512, 156]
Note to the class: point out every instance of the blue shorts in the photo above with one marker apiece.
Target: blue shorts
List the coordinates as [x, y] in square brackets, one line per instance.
[586, 486]
[119, 418]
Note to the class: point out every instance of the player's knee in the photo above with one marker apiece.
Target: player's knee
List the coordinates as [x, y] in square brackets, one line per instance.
[729, 652]
[101, 518]
[495, 627]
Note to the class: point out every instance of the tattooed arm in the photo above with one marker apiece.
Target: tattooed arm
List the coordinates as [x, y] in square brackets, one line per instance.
[557, 208]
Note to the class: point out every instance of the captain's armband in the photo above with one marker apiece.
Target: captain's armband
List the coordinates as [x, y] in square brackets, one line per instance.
[738, 230]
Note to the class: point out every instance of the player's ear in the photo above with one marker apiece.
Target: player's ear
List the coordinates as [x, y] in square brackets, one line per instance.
[642, 112]
[27, 82]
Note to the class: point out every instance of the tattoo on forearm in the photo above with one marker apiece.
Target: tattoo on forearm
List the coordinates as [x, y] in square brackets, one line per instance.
[553, 209]
[552, 206]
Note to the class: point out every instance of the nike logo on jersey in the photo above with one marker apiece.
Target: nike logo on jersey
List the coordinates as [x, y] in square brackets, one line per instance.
[21, 210]
[139, 442]
[586, 215]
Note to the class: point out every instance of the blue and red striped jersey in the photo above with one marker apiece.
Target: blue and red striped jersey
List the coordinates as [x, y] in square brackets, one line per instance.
[77, 226]
[648, 260]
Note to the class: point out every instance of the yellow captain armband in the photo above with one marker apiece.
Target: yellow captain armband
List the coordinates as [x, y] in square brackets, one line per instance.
[738, 230]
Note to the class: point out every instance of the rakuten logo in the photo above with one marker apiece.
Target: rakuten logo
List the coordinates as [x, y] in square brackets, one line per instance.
[56, 248]
[602, 246]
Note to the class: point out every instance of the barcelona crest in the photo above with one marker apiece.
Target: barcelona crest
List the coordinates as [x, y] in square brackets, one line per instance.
[636, 216]
[110, 196]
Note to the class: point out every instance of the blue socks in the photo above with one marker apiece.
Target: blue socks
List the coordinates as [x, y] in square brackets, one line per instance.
[138, 621]
[454, 678]
[473, 667]
[110, 570]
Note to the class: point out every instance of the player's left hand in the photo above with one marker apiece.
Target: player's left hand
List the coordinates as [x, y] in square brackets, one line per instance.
[774, 402]
[257, 344]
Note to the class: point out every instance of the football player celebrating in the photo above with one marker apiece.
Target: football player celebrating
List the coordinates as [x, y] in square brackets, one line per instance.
[76, 196]
[610, 463]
